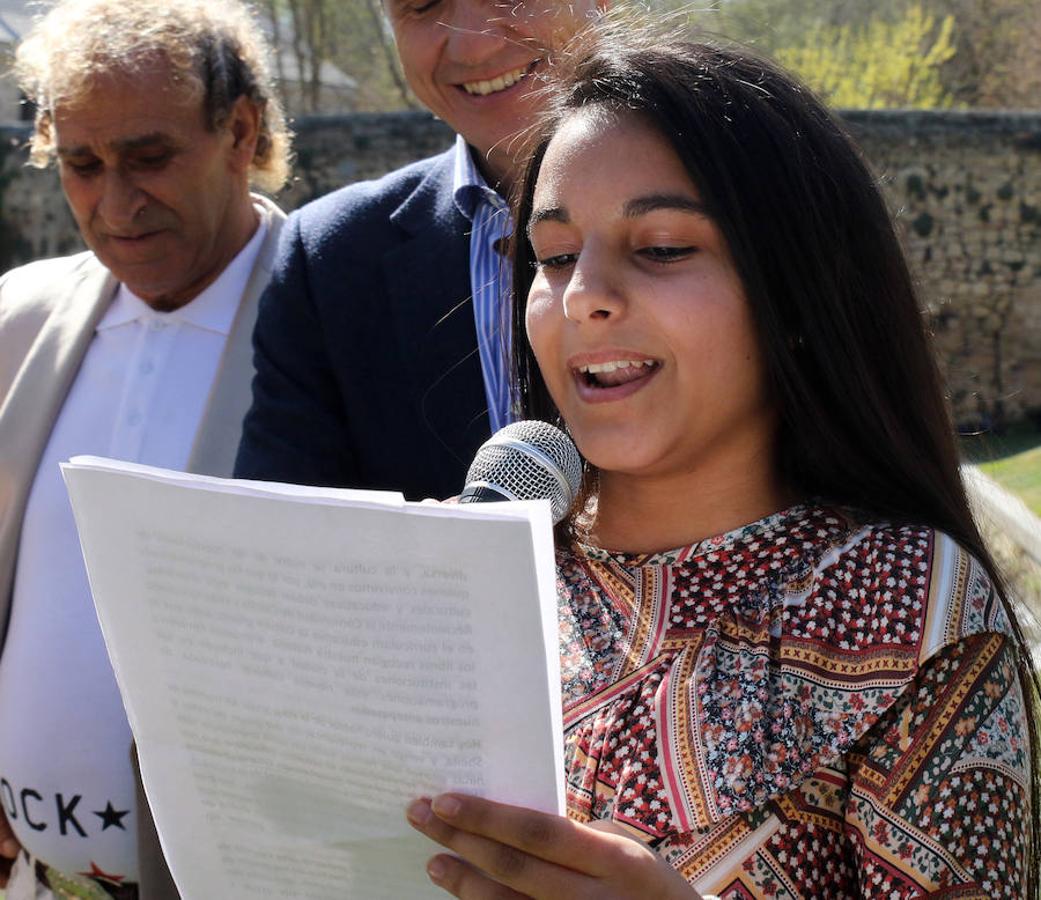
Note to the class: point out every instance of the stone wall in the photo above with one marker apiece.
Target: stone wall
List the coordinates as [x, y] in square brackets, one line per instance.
[965, 188]
[966, 191]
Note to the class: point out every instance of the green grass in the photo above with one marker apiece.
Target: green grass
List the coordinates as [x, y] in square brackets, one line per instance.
[1012, 459]
[1020, 475]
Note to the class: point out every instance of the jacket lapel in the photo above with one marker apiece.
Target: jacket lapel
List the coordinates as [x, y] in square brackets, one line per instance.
[428, 278]
[219, 432]
[36, 396]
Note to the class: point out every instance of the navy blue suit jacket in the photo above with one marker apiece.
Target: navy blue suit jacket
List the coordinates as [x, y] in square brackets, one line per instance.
[366, 351]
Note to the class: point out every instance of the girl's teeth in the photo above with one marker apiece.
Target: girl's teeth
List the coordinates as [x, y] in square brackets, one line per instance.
[613, 366]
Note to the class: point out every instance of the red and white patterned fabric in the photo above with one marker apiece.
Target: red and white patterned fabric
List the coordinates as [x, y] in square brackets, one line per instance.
[809, 706]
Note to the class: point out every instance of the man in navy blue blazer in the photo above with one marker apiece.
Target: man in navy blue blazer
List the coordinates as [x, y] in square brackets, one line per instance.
[380, 358]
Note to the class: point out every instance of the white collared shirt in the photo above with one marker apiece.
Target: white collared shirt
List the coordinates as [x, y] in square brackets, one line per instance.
[140, 394]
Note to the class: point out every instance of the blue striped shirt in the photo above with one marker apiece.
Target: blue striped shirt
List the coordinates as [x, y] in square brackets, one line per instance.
[490, 279]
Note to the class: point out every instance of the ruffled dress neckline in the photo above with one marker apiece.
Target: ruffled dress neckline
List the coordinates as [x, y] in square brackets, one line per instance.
[728, 540]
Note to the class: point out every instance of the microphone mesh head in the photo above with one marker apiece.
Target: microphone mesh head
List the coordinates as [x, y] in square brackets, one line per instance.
[530, 460]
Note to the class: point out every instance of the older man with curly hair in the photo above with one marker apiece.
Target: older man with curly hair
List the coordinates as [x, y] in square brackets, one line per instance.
[160, 117]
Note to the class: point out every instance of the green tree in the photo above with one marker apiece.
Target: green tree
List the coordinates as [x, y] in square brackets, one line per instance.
[995, 64]
[351, 34]
[879, 64]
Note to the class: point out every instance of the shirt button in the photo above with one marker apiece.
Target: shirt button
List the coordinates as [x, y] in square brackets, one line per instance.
[147, 367]
[134, 418]
[157, 325]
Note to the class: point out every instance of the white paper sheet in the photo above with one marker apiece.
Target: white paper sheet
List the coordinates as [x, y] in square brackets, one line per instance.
[297, 664]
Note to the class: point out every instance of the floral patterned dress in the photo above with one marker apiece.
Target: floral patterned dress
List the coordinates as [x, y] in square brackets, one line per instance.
[809, 707]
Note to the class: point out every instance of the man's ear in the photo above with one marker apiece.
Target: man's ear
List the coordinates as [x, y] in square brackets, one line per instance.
[244, 128]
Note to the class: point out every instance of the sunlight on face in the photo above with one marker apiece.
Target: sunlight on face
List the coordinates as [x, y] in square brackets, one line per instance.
[155, 193]
[636, 316]
[474, 63]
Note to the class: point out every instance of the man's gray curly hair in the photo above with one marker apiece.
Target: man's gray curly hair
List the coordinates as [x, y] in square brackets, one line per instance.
[213, 47]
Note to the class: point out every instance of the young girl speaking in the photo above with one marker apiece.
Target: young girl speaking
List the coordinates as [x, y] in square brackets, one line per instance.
[788, 666]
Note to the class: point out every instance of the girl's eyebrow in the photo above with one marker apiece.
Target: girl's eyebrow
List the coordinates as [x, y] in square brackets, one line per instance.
[547, 214]
[638, 206]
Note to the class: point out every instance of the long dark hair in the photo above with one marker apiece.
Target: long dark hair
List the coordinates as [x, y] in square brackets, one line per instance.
[862, 416]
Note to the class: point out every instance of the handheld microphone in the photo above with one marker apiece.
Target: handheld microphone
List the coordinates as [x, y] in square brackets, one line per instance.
[529, 460]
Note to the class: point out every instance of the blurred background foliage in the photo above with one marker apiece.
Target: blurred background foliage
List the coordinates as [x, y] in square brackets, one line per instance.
[878, 64]
[977, 54]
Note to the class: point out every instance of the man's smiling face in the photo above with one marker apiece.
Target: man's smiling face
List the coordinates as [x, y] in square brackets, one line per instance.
[471, 62]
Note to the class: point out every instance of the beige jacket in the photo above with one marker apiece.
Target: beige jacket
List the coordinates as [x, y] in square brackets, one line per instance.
[48, 313]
